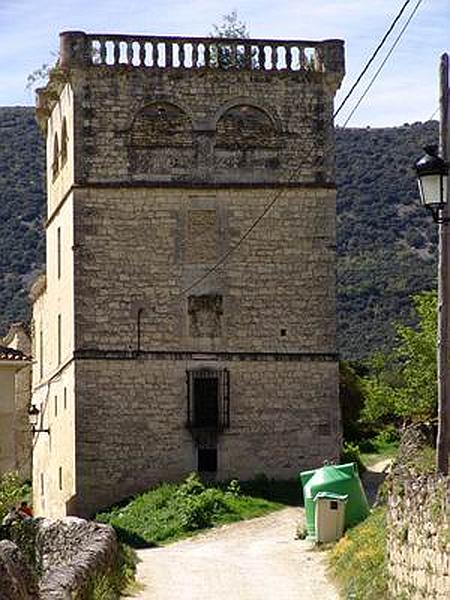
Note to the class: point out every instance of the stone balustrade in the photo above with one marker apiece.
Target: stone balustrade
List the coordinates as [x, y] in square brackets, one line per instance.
[156, 52]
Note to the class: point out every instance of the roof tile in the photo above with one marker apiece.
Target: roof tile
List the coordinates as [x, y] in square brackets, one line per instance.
[7, 353]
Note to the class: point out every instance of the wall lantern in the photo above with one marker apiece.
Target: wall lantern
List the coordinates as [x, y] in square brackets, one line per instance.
[432, 172]
[33, 416]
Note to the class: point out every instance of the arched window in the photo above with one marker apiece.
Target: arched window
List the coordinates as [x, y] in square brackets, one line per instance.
[64, 143]
[161, 124]
[55, 162]
[245, 125]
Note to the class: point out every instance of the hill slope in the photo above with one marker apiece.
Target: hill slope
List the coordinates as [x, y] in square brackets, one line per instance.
[386, 243]
[21, 209]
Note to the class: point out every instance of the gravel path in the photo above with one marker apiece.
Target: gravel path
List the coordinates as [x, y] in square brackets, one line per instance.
[251, 560]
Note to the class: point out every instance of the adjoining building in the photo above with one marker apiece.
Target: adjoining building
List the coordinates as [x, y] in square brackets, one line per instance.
[152, 360]
[15, 392]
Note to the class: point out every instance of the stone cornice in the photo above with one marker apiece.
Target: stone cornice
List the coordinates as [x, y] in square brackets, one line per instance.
[172, 355]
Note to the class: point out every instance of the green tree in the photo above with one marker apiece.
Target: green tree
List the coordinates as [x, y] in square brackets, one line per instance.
[352, 400]
[231, 27]
[402, 385]
[40, 76]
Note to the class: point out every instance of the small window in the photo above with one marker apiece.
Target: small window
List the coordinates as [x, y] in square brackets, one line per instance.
[64, 143]
[59, 339]
[41, 354]
[60, 478]
[58, 252]
[56, 406]
[55, 162]
[42, 484]
[65, 398]
[207, 460]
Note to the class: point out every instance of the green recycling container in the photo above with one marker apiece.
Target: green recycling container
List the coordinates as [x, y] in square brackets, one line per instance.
[337, 479]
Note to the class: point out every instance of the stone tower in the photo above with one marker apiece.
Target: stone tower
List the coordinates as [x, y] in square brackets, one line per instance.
[150, 362]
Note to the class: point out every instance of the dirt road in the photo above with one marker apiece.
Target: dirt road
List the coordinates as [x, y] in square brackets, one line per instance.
[251, 560]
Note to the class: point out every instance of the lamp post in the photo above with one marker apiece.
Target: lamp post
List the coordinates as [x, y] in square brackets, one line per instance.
[432, 177]
[33, 416]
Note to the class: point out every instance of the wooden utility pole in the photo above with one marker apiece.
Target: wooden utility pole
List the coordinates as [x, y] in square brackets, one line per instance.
[443, 366]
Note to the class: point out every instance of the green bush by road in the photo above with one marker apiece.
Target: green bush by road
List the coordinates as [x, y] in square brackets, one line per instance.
[172, 511]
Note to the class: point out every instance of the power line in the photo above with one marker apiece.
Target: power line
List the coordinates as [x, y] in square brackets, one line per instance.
[233, 248]
[277, 196]
[372, 58]
[434, 114]
[386, 58]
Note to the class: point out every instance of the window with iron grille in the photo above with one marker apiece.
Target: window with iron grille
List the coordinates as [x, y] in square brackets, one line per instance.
[208, 399]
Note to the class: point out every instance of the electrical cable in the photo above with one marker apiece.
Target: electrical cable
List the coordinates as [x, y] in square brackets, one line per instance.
[372, 58]
[434, 114]
[272, 202]
[386, 58]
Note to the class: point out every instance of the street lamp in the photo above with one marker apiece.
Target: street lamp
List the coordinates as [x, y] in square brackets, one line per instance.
[432, 173]
[33, 416]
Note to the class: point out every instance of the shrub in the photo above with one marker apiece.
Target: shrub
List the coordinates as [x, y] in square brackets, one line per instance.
[198, 505]
[234, 489]
[351, 453]
[12, 491]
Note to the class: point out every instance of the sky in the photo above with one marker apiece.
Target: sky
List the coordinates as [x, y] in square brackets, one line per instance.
[405, 92]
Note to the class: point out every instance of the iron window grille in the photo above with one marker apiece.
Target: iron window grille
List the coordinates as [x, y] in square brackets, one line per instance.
[208, 399]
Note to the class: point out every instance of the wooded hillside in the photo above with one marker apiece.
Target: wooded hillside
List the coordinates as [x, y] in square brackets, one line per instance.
[21, 210]
[386, 243]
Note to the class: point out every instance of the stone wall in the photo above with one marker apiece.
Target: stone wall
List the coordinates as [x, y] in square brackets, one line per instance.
[418, 525]
[72, 551]
[132, 423]
[134, 253]
[17, 580]
[419, 539]
[57, 559]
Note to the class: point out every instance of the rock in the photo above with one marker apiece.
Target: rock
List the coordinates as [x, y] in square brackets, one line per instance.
[17, 581]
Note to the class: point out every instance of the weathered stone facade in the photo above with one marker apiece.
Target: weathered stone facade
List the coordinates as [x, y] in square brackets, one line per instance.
[169, 157]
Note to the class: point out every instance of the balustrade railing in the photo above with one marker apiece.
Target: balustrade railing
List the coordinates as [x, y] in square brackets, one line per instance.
[199, 53]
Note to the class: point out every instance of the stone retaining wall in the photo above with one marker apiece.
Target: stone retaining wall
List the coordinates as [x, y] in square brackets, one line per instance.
[418, 528]
[68, 553]
[419, 539]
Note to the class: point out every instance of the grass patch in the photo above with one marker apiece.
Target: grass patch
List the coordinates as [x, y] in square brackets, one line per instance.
[119, 581]
[173, 511]
[358, 560]
[283, 491]
[380, 450]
